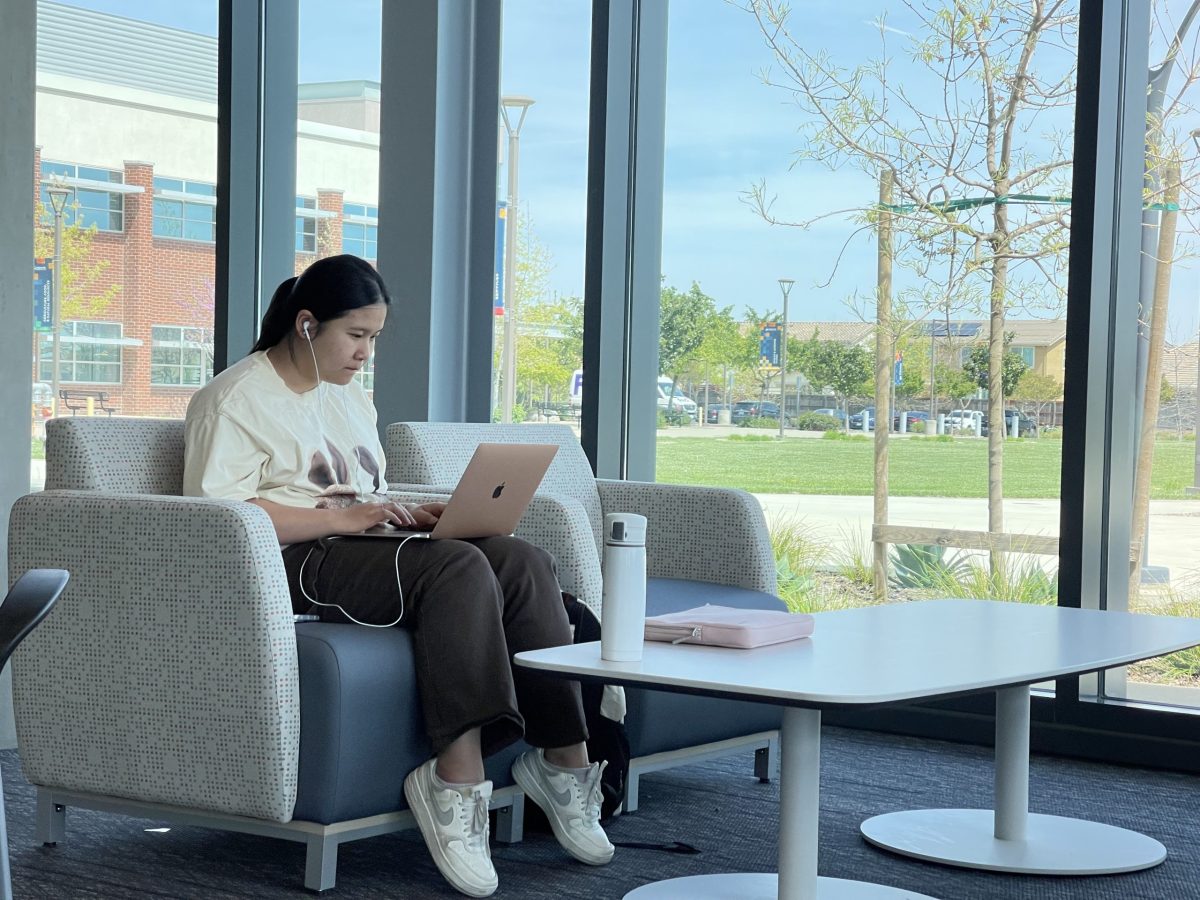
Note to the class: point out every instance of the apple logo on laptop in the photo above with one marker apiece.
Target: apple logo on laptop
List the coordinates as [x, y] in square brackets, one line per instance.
[498, 491]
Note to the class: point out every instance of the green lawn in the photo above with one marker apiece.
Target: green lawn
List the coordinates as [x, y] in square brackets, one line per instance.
[918, 467]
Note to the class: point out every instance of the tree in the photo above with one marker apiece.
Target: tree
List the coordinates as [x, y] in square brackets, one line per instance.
[684, 320]
[957, 384]
[962, 164]
[84, 294]
[1038, 391]
[846, 369]
[977, 365]
[549, 347]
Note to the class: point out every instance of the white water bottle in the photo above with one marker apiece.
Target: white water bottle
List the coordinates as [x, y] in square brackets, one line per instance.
[623, 617]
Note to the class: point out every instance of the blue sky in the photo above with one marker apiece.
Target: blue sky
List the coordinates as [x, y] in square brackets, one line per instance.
[725, 131]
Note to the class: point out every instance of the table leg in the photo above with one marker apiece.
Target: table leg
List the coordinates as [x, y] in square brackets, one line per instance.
[799, 815]
[1010, 838]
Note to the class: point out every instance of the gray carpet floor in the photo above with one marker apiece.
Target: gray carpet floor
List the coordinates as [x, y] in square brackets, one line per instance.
[718, 807]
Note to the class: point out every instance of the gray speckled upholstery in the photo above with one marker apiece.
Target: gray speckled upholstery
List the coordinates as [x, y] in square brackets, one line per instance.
[706, 534]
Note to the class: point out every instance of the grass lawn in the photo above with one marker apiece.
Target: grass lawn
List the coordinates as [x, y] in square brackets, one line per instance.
[917, 467]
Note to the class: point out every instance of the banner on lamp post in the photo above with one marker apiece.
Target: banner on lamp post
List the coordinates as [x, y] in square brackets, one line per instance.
[768, 346]
[498, 276]
[43, 295]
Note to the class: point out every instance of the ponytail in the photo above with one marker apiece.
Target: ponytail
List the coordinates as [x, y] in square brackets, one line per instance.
[278, 319]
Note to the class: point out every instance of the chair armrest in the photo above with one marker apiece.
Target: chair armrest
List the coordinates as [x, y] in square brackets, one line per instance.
[701, 533]
[168, 670]
[560, 526]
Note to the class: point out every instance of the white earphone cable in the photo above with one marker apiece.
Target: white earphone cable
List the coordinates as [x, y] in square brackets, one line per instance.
[399, 589]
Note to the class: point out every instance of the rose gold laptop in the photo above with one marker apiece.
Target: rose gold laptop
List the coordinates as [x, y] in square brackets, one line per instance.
[492, 495]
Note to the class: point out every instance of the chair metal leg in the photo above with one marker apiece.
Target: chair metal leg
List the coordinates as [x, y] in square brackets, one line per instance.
[510, 821]
[320, 863]
[5, 875]
[631, 791]
[766, 761]
[51, 819]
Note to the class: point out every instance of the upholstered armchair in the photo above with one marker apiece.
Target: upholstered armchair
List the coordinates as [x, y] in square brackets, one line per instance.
[703, 545]
[172, 683]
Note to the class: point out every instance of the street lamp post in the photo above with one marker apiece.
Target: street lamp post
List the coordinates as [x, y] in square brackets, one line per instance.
[58, 202]
[785, 284]
[518, 106]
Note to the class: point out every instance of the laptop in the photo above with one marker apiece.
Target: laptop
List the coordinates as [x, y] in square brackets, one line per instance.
[492, 495]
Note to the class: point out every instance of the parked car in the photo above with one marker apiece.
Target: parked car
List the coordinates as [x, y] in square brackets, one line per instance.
[713, 413]
[856, 420]
[1026, 426]
[913, 416]
[755, 409]
[960, 418]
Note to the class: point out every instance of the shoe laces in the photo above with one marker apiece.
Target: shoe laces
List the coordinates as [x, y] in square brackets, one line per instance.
[474, 816]
[594, 798]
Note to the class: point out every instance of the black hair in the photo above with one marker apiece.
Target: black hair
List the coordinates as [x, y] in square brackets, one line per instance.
[329, 288]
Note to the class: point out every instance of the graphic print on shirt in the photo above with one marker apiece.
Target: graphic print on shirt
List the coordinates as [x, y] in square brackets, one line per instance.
[334, 477]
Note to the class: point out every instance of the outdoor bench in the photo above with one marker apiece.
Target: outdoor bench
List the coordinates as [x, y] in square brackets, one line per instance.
[75, 400]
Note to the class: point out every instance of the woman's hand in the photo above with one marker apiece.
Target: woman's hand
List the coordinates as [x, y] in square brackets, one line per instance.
[427, 514]
[362, 516]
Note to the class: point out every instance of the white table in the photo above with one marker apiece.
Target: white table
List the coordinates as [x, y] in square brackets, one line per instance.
[895, 654]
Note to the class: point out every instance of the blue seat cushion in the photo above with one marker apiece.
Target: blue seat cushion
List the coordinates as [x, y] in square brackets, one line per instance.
[658, 721]
[361, 729]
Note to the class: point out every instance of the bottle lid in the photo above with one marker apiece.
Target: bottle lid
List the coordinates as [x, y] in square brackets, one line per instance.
[625, 530]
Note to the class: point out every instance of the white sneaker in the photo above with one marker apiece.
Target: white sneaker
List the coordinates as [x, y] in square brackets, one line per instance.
[454, 824]
[572, 807]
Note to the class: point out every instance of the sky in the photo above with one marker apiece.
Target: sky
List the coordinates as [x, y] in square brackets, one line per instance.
[726, 130]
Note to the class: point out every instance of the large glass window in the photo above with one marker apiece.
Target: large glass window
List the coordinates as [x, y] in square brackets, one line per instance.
[541, 212]
[845, 161]
[184, 209]
[1165, 522]
[127, 124]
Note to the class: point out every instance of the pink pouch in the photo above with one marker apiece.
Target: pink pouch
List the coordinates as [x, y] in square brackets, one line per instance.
[725, 626]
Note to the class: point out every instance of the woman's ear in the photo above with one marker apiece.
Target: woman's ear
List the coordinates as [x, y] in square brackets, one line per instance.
[306, 325]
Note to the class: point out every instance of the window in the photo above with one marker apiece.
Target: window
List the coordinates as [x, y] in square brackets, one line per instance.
[360, 226]
[179, 355]
[88, 204]
[177, 215]
[1026, 354]
[366, 376]
[89, 353]
[306, 225]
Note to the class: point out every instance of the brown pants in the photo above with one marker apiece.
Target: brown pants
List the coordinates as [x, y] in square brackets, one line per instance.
[470, 605]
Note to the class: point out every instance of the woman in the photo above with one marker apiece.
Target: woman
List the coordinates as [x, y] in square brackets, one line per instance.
[289, 430]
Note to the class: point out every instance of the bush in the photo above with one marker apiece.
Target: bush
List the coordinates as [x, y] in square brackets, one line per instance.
[1054, 434]
[842, 436]
[759, 422]
[817, 422]
[675, 417]
[751, 437]
[917, 427]
[518, 413]
[924, 566]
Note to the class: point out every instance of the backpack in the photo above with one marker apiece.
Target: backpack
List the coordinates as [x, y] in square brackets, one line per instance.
[607, 739]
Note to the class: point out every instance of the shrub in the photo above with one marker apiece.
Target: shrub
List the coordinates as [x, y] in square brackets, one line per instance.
[917, 427]
[751, 437]
[817, 422]
[842, 436]
[924, 566]
[1054, 434]
[759, 422]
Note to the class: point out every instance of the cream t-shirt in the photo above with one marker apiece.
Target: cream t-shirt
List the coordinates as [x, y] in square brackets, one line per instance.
[248, 435]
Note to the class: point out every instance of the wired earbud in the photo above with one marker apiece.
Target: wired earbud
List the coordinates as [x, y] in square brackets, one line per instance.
[307, 336]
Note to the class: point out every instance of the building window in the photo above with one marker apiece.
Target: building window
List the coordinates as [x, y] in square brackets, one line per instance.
[89, 353]
[1026, 354]
[88, 205]
[178, 215]
[366, 375]
[179, 356]
[360, 229]
[306, 225]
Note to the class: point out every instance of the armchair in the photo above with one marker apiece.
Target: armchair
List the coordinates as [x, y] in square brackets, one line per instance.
[703, 545]
[172, 683]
